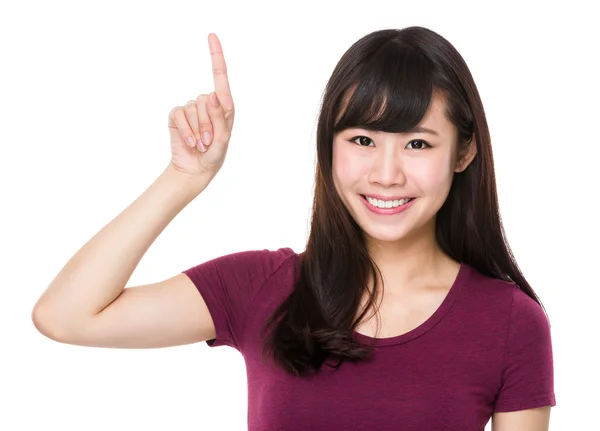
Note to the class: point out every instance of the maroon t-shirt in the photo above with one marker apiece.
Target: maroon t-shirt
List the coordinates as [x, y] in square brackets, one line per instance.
[486, 349]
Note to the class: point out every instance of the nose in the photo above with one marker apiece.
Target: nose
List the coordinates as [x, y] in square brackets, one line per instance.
[387, 168]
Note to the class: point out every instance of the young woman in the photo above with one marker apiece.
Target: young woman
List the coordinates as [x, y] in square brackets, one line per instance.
[407, 309]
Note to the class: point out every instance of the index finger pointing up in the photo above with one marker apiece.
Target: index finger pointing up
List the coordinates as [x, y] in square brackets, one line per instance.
[220, 75]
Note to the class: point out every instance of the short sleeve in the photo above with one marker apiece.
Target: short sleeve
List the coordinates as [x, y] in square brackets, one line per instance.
[228, 285]
[528, 369]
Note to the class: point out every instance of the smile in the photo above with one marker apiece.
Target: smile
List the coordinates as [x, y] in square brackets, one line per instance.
[387, 207]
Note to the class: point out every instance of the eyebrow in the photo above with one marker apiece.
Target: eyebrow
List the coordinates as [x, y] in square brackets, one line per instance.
[416, 129]
[419, 129]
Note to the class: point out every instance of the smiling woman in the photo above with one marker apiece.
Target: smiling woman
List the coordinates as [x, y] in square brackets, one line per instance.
[394, 165]
[465, 334]
[407, 306]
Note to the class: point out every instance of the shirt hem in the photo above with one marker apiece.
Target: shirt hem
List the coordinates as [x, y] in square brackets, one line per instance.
[546, 400]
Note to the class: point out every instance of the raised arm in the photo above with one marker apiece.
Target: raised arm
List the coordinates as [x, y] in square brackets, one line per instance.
[87, 302]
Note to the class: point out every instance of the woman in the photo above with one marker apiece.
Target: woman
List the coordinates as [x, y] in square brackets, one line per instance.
[407, 309]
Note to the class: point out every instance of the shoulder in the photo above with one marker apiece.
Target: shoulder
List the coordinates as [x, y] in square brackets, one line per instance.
[266, 259]
[510, 300]
[503, 301]
[520, 319]
[249, 265]
[488, 293]
[528, 320]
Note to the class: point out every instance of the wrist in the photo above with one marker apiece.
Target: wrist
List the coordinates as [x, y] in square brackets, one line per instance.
[194, 183]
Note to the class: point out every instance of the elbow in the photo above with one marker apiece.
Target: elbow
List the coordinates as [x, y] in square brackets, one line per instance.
[46, 324]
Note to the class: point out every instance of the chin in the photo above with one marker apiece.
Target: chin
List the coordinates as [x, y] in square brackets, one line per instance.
[384, 234]
[393, 232]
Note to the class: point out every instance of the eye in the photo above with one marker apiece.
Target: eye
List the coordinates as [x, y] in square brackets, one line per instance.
[366, 140]
[362, 140]
[423, 143]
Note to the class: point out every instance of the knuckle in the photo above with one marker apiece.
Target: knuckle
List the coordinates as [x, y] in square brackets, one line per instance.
[220, 71]
[179, 115]
[190, 106]
[223, 134]
[174, 111]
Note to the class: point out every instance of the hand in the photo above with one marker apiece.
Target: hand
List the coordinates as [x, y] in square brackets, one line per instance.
[197, 117]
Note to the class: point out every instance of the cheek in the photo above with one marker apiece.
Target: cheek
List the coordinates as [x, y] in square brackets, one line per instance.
[347, 168]
[435, 174]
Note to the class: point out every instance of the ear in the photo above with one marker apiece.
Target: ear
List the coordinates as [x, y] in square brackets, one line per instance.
[467, 155]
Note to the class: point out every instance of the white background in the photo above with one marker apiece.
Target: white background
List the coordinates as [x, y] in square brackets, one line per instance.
[86, 88]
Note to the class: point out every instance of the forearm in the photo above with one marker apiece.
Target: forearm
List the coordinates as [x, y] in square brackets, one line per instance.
[97, 274]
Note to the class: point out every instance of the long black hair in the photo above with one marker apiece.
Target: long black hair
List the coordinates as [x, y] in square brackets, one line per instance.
[385, 81]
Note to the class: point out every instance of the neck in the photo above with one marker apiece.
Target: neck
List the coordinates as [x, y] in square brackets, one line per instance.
[410, 264]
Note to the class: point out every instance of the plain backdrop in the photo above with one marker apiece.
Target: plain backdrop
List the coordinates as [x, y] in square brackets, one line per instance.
[85, 91]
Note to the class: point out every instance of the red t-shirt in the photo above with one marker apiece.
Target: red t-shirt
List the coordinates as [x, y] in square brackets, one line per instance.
[486, 349]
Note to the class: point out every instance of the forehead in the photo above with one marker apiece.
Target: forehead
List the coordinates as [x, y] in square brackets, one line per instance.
[436, 113]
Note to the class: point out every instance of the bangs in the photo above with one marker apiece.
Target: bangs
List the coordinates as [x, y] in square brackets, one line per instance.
[391, 93]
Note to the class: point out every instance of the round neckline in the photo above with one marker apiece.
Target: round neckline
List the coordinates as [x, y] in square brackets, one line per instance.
[424, 327]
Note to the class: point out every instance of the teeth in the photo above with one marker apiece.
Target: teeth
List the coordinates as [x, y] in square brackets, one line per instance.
[386, 204]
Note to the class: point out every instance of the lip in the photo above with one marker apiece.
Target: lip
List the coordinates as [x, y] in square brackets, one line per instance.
[386, 211]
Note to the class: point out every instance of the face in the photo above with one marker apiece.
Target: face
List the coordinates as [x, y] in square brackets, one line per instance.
[418, 165]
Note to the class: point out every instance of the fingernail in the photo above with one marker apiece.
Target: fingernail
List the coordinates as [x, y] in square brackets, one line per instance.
[201, 147]
[190, 141]
[214, 99]
[206, 138]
